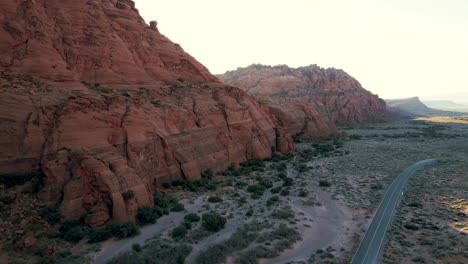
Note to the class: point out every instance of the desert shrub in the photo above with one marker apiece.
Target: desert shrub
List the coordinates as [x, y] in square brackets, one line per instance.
[282, 214]
[161, 200]
[179, 232]
[324, 183]
[213, 222]
[272, 200]
[285, 192]
[285, 232]
[114, 229]
[156, 251]
[192, 217]
[303, 193]
[136, 247]
[288, 181]
[208, 174]
[165, 203]
[265, 183]
[354, 136]
[166, 185]
[297, 137]
[241, 239]
[73, 231]
[51, 214]
[411, 226]
[13, 179]
[256, 189]
[147, 215]
[282, 175]
[276, 189]
[177, 207]
[99, 235]
[302, 168]
[214, 199]
[6, 199]
[123, 230]
[249, 212]
[127, 195]
[187, 224]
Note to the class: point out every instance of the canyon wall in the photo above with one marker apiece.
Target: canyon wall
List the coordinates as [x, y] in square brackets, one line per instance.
[99, 103]
[310, 100]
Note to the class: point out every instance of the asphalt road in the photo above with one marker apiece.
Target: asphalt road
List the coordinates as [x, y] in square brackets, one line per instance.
[372, 243]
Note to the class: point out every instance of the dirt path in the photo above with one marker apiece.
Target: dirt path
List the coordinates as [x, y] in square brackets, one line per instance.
[320, 226]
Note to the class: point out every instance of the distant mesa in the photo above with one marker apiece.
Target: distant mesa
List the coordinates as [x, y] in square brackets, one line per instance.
[413, 107]
[311, 100]
[446, 105]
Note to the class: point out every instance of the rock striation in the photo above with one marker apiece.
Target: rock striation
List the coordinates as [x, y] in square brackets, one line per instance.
[310, 100]
[99, 103]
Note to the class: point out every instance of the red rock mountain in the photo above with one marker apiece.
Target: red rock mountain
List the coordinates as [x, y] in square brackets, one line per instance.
[311, 99]
[101, 103]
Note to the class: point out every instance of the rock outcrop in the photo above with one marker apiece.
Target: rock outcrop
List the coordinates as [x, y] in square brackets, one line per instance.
[100, 103]
[310, 100]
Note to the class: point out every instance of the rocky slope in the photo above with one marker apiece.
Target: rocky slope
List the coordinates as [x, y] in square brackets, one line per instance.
[100, 103]
[309, 99]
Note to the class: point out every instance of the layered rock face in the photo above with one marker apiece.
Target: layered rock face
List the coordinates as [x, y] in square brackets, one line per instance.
[309, 99]
[101, 103]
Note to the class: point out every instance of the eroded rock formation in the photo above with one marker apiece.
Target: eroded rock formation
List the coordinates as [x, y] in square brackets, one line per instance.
[102, 103]
[311, 99]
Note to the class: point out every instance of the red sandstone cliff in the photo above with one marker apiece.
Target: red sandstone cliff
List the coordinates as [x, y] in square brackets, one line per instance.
[309, 99]
[156, 114]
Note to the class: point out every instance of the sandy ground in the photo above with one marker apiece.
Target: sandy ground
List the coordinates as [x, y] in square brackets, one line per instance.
[344, 210]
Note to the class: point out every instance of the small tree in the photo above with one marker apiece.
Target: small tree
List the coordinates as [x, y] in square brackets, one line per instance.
[192, 217]
[213, 222]
[127, 195]
[146, 215]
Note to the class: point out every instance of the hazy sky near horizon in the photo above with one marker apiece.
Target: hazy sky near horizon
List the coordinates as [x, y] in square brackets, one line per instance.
[397, 48]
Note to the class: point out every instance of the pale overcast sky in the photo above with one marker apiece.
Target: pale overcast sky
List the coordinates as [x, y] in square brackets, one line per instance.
[395, 48]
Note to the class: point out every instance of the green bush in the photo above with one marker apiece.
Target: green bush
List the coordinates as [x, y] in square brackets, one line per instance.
[276, 189]
[136, 247]
[51, 214]
[127, 195]
[266, 183]
[13, 179]
[179, 232]
[73, 231]
[213, 222]
[192, 217]
[214, 199]
[302, 168]
[114, 229]
[256, 189]
[282, 214]
[288, 181]
[123, 230]
[324, 183]
[285, 192]
[99, 235]
[177, 207]
[147, 215]
[249, 212]
[6, 199]
[208, 174]
[354, 136]
[272, 200]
